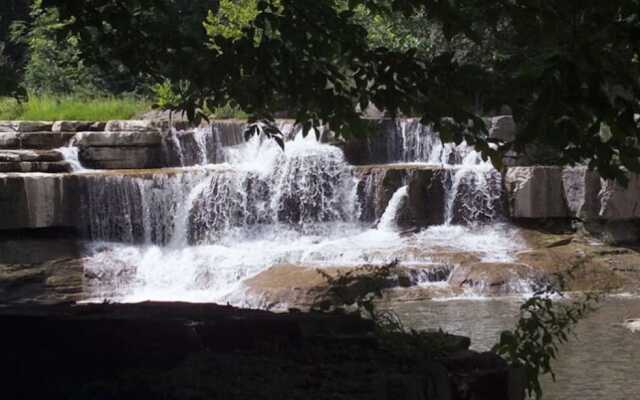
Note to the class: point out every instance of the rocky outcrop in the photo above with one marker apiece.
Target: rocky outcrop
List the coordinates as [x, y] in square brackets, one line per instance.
[536, 192]
[603, 207]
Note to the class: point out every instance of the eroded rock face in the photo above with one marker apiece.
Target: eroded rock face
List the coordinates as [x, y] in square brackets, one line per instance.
[536, 192]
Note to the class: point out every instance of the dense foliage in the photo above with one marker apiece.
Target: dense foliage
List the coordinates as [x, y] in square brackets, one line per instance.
[567, 68]
[11, 54]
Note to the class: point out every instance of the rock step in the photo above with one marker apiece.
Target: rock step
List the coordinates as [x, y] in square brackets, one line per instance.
[36, 166]
[30, 156]
[35, 140]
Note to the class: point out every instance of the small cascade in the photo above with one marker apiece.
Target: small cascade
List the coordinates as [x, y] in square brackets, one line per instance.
[388, 221]
[475, 193]
[71, 154]
[199, 146]
[133, 209]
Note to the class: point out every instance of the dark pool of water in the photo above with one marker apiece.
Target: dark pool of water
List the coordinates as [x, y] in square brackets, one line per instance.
[602, 362]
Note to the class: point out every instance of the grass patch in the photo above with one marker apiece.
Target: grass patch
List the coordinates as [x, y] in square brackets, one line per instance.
[49, 108]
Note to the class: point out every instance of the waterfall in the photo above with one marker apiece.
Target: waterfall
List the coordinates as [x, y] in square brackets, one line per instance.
[71, 154]
[133, 209]
[307, 185]
[236, 208]
[304, 187]
[475, 193]
[388, 221]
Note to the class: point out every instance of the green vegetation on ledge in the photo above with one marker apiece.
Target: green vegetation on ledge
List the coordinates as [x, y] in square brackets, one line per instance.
[50, 108]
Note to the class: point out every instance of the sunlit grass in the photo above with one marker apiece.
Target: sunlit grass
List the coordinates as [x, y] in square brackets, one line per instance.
[50, 108]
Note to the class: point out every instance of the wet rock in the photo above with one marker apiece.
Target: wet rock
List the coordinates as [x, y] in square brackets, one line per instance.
[285, 285]
[230, 132]
[585, 264]
[427, 198]
[377, 185]
[56, 281]
[536, 192]
[496, 279]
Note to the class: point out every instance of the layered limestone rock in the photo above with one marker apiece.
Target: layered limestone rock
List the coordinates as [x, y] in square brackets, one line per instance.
[536, 192]
[557, 192]
[36, 201]
[25, 161]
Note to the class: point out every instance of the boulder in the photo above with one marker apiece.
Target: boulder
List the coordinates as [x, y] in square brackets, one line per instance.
[536, 192]
[77, 126]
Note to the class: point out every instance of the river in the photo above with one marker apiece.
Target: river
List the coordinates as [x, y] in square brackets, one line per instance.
[602, 361]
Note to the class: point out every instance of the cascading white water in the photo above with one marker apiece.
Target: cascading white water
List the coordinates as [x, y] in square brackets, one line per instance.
[475, 193]
[197, 233]
[388, 221]
[71, 154]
